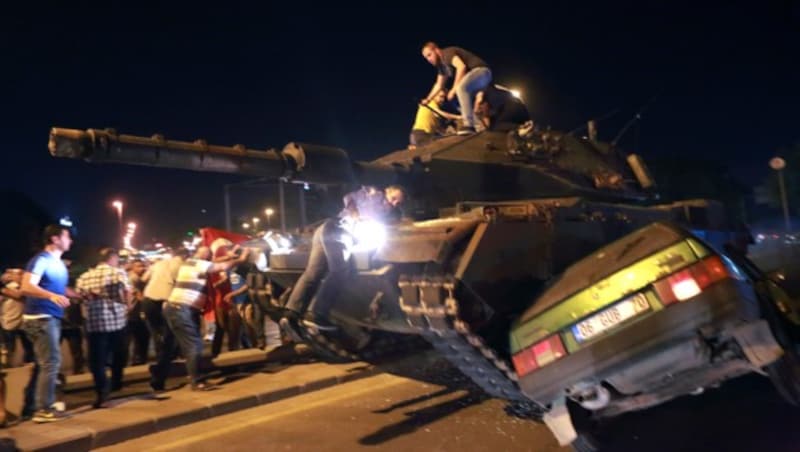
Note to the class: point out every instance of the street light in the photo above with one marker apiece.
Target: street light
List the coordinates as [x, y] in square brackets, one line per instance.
[245, 225]
[117, 204]
[778, 164]
[268, 212]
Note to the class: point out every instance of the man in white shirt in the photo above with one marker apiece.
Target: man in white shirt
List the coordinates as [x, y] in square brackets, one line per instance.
[182, 312]
[160, 279]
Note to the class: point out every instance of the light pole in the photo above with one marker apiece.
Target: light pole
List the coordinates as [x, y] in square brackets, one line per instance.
[256, 220]
[778, 164]
[268, 212]
[129, 235]
[117, 204]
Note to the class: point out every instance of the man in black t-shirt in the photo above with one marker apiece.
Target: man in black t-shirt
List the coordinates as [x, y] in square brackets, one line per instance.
[498, 109]
[469, 72]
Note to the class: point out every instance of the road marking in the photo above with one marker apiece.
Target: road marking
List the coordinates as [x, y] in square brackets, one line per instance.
[394, 381]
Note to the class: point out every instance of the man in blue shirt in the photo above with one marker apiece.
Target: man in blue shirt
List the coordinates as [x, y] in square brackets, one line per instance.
[44, 285]
[327, 265]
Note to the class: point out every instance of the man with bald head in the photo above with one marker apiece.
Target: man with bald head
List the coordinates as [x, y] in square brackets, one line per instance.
[183, 310]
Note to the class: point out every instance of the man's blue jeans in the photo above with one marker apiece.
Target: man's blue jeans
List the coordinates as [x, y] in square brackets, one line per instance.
[326, 267]
[475, 80]
[184, 321]
[45, 335]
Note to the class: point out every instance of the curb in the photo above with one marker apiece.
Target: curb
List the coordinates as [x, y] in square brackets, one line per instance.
[135, 417]
[225, 361]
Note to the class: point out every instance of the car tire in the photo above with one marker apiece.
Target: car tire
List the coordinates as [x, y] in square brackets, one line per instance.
[585, 442]
[785, 372]
[585, 427]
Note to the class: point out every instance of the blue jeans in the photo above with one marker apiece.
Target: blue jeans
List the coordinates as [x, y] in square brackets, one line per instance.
[475, 80]
[184, 321]
[101, 345]
[327, 255]
[44, 334]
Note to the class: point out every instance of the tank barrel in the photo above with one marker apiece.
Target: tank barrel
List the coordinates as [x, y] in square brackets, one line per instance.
[106, 146]
[296, 162]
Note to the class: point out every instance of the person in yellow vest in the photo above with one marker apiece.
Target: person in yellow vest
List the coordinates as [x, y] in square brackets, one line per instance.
[430, 121]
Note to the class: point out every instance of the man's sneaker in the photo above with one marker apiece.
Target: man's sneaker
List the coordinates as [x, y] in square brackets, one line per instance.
[319, 322]
[466, 130]
[205, 387]
[49, 415]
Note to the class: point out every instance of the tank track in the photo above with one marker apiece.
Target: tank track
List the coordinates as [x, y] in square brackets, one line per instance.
[432, 309]
[332, 346]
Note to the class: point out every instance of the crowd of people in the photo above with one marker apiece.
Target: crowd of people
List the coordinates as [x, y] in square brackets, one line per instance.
[118, 306]
[115, 307]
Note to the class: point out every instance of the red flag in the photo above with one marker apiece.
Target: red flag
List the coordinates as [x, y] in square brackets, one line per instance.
[219, 241]
[209, 235]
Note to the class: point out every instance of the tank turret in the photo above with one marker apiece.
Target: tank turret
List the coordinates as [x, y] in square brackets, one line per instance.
[489, 166]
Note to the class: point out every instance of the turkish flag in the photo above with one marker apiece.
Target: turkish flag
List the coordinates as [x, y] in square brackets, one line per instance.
[220, 241]
[210, 235]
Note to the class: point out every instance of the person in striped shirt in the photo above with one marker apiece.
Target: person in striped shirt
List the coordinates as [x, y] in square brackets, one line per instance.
[183, 310]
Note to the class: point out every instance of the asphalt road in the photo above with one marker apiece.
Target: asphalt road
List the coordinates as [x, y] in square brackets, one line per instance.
[432, 407]
[438, 411]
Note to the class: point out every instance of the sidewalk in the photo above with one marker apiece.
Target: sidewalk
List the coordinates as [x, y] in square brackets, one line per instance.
[139, 414]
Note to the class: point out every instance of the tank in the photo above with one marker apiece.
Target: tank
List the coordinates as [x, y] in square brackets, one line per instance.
[503, 233]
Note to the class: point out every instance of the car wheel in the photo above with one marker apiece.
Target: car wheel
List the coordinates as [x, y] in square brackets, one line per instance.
[785, 372]
[585, 427]
[585, 442]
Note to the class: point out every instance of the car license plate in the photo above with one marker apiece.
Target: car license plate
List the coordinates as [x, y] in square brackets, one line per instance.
[610, 317]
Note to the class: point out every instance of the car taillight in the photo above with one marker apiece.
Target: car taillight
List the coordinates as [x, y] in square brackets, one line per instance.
[539, 355]
[690, 281]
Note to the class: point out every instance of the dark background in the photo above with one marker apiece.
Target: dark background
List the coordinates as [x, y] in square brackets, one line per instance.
[725, 76]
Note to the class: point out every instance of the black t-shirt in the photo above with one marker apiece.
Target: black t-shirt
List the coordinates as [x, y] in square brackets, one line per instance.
[470, 60]
[504, 109]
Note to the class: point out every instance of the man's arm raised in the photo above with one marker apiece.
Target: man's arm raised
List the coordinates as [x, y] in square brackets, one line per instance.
[225, 266]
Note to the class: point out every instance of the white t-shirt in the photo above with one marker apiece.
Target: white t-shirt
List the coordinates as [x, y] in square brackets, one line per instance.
[190, 285]
[12, 311]
[162, 278]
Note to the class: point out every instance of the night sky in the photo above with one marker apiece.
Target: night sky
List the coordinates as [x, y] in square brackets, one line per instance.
[727, 76]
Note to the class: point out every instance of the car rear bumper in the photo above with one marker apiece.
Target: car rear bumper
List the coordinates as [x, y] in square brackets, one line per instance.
[719, 308]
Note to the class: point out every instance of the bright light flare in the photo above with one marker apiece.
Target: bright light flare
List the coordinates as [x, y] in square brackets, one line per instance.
[516, 93]
[261, 262]
[278, 244]
[365, 235]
